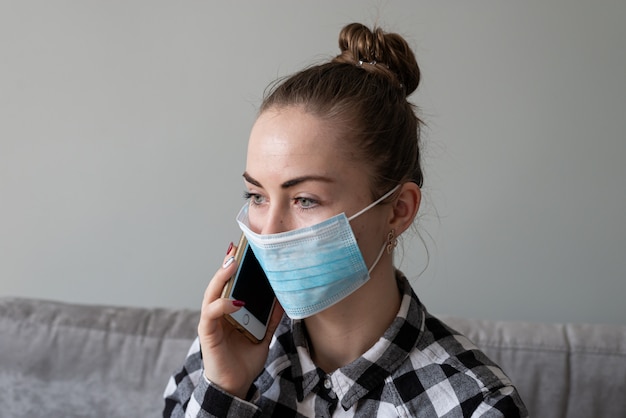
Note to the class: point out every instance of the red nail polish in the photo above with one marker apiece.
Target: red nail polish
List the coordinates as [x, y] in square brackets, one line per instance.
[239, 303]
[230, 247]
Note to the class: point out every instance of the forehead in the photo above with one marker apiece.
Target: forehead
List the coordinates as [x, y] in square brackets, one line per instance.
[291, 142]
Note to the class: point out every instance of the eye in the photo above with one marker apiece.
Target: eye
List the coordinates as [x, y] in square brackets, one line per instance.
[254, 198]
[305, 202]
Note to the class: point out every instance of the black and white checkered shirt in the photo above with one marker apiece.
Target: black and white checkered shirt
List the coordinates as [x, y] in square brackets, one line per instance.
[419, 368]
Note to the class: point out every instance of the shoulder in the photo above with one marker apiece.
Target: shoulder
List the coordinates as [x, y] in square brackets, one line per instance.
[439, 346]
[446, 372]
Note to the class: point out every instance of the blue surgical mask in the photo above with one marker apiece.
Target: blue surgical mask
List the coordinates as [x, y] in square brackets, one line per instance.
[314, 267]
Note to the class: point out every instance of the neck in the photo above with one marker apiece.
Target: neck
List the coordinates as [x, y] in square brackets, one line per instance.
[342, 333]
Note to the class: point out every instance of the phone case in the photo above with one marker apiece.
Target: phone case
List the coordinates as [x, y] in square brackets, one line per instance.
[243, 320]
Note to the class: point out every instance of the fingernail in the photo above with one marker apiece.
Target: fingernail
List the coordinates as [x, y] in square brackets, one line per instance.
[230, 247]
[239, 303]
[228, 262]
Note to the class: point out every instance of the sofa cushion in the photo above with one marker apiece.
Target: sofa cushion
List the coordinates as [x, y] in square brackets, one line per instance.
[66, 360]
[560, 370]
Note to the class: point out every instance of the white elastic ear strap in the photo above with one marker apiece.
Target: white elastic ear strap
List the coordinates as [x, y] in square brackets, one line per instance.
[380, 254]
[371, 205]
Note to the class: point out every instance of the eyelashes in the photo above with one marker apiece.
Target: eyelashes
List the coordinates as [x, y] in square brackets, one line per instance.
[301, 203]
[306, 203]
[255, 198]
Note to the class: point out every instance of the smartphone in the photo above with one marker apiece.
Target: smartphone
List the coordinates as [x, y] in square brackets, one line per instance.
[250, 285]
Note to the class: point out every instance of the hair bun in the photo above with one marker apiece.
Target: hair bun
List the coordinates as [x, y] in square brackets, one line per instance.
[386, 53]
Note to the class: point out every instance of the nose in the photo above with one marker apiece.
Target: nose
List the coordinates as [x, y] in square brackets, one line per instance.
[276, 221]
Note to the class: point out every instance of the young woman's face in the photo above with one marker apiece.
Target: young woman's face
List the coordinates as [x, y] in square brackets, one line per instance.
[298, 174]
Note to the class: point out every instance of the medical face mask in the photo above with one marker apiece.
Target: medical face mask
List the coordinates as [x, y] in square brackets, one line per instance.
[314, 267]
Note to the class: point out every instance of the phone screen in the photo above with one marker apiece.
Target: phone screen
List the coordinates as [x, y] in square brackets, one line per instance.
[253, 288]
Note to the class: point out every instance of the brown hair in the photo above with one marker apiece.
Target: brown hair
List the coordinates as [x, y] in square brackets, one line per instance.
[364, 91]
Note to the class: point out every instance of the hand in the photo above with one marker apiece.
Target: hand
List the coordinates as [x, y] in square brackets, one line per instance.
[231, 360]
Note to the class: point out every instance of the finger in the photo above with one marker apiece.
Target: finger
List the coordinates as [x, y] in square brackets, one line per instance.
[217, 283]
[212, 314]
[277, 315]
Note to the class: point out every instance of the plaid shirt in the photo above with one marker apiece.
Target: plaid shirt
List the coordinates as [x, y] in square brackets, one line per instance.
[419, 368]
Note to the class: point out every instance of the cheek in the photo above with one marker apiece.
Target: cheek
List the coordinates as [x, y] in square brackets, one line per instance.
[359, 232]
[366, 238]
[369, 235]
[255, 221]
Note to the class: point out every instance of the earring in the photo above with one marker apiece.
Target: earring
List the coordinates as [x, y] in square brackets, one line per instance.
[392, 241]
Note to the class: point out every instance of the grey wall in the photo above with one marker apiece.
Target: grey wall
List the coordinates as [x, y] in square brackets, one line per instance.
[124, 125]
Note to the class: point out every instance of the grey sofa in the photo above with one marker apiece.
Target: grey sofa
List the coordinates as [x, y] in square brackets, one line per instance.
[67, 360]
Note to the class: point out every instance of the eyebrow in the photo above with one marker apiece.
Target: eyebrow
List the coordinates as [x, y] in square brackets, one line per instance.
[289, 183]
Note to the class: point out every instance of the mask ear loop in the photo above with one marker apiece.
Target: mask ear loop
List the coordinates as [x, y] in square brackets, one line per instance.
[368, 207]
[380, 254]
[388, 246]
[371, 205]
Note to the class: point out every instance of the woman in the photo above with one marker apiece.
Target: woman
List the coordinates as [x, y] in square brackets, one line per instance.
[338, 141]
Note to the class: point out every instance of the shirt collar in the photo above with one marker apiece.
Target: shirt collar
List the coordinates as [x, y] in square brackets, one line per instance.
[369, 371]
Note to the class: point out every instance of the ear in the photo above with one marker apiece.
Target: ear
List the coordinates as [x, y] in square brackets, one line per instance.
[405, 207]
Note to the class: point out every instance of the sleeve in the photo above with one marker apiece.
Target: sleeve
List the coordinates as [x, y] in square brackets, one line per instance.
[504, 402]
[190, 394]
